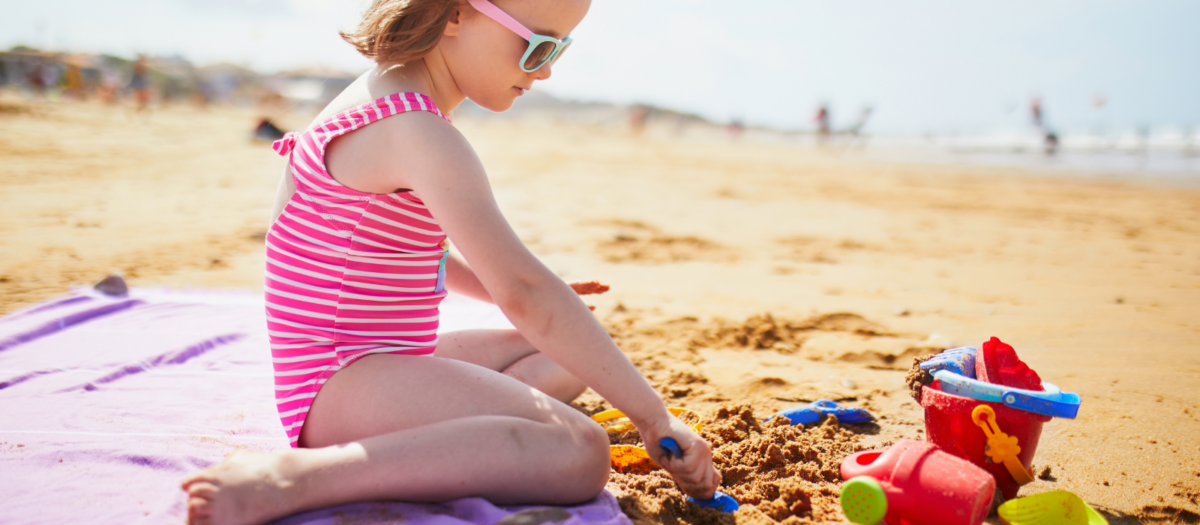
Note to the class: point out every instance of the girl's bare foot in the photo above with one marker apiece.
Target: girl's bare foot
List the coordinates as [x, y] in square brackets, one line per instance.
[247, 488]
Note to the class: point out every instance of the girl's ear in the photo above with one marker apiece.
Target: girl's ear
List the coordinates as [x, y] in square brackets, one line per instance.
[455, 23]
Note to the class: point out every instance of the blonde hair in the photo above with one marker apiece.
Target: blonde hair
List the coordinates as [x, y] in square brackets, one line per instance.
[400, 31]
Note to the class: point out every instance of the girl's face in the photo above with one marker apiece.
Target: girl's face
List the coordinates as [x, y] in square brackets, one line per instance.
[484, 56]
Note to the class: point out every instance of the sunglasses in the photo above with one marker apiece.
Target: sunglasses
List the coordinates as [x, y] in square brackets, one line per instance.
[542, 49]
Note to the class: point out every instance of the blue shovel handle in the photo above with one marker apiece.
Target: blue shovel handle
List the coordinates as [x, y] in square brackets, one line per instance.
[1051, 402]
[720, 501]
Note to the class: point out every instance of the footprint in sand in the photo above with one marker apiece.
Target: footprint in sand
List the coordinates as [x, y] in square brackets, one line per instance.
[640, 243]
[799, 248]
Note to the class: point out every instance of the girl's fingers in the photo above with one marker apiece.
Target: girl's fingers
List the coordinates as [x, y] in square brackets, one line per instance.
[701, 486]
[685, 456]
[711, 485]
[693, 472]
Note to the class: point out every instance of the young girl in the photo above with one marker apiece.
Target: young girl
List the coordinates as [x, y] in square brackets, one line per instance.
[375, 404]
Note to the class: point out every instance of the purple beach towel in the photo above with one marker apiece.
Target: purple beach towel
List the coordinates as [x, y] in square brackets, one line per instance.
[105, 403]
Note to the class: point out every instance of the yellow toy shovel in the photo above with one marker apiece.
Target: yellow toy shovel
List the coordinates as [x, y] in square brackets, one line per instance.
[1050, 508]
[1001, 447]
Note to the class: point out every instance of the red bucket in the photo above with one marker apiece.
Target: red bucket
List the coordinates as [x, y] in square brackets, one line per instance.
[948, 425]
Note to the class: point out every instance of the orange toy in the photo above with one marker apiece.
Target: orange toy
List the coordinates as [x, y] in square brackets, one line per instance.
[626, 458]
[589, 288]
[1001, 447]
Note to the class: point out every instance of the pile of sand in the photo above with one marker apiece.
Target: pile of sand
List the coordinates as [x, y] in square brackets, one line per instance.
[779, 473]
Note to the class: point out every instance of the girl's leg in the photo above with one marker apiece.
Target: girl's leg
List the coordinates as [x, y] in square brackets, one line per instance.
[414, 429]
[508, 352]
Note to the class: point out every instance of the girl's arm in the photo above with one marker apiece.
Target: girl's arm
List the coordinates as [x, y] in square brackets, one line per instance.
[461, 279]
[444, 172]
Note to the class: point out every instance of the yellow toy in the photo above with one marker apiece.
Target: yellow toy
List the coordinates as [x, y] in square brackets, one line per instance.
[1001, 447]
[1050, 508]
[626, 458]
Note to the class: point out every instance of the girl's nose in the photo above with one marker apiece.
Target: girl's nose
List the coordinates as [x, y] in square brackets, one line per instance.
[542, 73]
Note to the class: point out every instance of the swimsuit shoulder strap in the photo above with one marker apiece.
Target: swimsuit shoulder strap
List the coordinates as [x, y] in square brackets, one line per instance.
[307, 148]
[357, 117]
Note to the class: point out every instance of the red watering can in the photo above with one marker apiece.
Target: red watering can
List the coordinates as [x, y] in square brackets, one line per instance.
[915, 483]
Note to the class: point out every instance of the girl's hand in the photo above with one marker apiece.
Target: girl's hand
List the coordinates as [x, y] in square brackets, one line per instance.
[694, 472]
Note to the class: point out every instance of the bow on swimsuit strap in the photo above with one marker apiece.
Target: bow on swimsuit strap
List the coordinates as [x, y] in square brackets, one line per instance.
[284, 145]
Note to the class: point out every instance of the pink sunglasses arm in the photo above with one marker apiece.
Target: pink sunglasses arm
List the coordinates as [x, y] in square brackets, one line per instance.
[493, 12]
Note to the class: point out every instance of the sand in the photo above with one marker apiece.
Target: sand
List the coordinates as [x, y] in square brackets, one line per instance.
[759, 274]
[778, 473]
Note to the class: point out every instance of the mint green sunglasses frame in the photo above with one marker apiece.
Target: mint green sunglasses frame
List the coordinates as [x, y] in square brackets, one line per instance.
[535, 40]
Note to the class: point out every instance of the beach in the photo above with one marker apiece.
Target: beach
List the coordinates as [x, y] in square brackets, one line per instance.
[757, 273]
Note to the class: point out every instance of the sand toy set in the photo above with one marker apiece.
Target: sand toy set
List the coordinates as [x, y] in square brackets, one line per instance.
[984, 411]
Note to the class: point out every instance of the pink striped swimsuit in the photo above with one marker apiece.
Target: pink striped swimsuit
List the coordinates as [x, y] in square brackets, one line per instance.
[348, 273]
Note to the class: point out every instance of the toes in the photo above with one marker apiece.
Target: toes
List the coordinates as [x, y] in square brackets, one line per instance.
[199, 511]
[202, 490]
[205, 475]
[200, 496]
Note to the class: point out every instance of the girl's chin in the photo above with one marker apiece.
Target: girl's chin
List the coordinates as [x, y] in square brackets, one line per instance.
[498, 104]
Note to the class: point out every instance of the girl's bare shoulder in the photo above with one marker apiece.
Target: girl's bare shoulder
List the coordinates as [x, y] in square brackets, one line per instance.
[396, 152]
[414, 145]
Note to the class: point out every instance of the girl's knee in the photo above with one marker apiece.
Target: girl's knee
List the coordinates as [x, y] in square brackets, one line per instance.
[595, 441]
[588, 472]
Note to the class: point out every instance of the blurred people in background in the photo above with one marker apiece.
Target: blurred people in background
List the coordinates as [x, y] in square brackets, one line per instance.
[73, 83]
[36, 78]
[205, 93]
[822, 120]
[735, 129]
[51, 79]
[1038, 116]
[140, 83]
[1035, 112]
[1099, 101]
[267, 131]
[1051, 142]
[639, 114]
[110, 83]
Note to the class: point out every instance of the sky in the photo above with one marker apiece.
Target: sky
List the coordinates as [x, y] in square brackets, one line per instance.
[923, 66]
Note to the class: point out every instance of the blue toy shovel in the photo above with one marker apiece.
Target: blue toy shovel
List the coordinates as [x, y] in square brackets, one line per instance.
[959, 360]
[812, 412]
[720, 501]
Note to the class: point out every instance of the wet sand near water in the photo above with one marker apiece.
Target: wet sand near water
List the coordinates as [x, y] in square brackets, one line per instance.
[757, 273]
